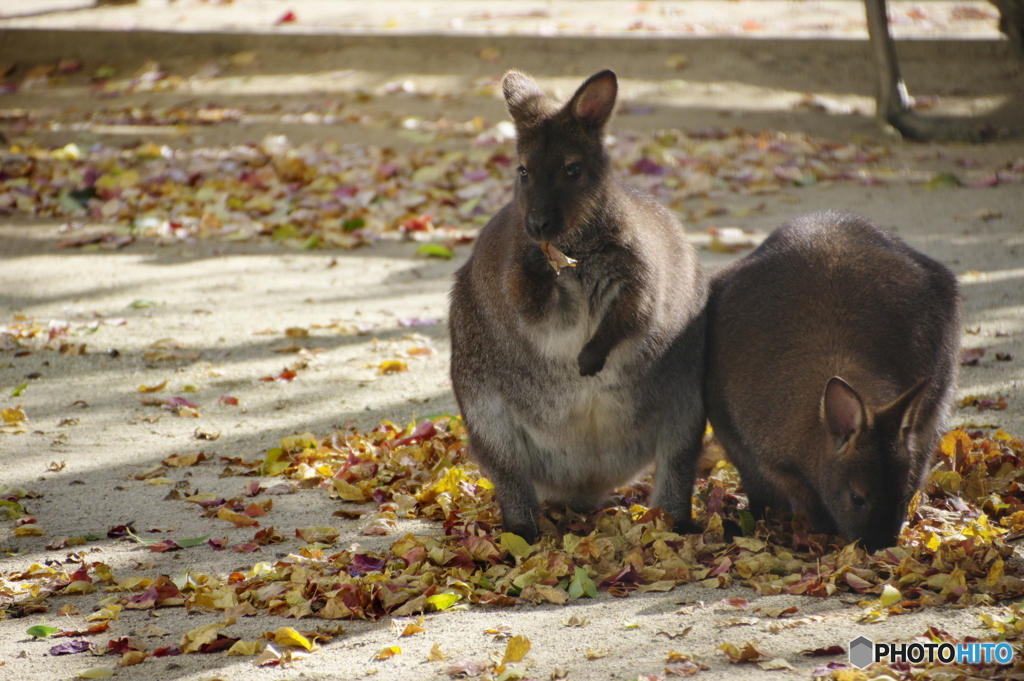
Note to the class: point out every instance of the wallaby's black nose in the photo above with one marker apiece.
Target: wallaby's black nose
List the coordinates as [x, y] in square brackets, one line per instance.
[537, 224]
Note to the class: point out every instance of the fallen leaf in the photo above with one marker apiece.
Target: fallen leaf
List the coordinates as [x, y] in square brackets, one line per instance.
[740, 655]
[516, 649]
[196, 638]
[41, 631]
[387, 653]
[152, 388]
[775, 664]
[829, 651]
[289, 637]
[392, 366]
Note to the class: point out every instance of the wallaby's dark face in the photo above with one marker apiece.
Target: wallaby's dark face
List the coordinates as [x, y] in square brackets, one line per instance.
[563, 166]
[872, 482]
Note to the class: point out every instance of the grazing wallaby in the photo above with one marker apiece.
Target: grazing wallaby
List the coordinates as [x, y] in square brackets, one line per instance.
[832, 353]
[572, 380]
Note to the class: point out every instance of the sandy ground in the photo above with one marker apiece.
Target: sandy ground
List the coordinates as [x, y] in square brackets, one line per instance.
[231, 303]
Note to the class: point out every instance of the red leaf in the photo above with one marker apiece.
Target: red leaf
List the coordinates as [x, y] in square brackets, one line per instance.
[220, 643]
[119, 645]
[118, 531]
[165, 545]
[424, 431]
[248, 547]
[722, 568]
[91, 631]
[81, 575]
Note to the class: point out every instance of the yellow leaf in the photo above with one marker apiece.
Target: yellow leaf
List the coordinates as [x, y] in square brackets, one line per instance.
[289, 637]
[29, 530]
[245, 648]
[236, 519]
[301, 441]
[132, 657]
[79, 587]
[387, 653]
[348, 492]
[949, 481]
[392, 366]
[95, 673]
[995, 573]
[14, 415]
[950, 441]
[738, 655]
[102, 571]
[890, 595]
[191, 641]
[443, 601]
[68, 609]
[183, 460]
[152, 388]
[515, 544]
[435, 654]
[413, 628]
[516, 649]
[111, 612]
[596, 653]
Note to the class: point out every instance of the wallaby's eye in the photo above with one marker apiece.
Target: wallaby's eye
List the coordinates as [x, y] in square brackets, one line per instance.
[522, 172]
[857, 500]
[572, 170]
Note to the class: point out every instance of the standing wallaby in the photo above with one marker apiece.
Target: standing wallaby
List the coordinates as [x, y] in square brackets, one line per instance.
[832, 354]
[572, 381]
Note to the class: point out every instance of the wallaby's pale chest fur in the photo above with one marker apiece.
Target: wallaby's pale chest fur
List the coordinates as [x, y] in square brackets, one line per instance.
[572, 382]
[831, 358]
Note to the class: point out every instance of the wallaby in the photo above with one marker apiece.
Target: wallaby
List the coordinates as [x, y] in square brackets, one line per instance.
[572, 380]
[832, 355]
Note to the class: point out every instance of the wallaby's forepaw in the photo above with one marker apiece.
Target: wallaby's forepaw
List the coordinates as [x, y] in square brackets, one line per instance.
[528, 532]
[686, 527]
[590, 361]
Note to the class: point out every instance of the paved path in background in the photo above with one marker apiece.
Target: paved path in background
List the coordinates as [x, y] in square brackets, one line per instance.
[962, 20]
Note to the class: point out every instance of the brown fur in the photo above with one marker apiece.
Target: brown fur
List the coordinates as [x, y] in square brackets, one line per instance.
[832, 355]
[572, 383]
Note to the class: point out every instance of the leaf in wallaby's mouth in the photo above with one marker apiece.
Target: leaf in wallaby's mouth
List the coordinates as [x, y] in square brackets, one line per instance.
[555, 257]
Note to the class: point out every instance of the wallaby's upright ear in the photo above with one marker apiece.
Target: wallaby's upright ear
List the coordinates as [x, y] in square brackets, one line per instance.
[843, 410]
[904, 409]
[593, 103]
[526, 101]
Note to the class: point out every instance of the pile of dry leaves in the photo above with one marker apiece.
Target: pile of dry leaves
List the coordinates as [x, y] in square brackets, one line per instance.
[954, 551]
